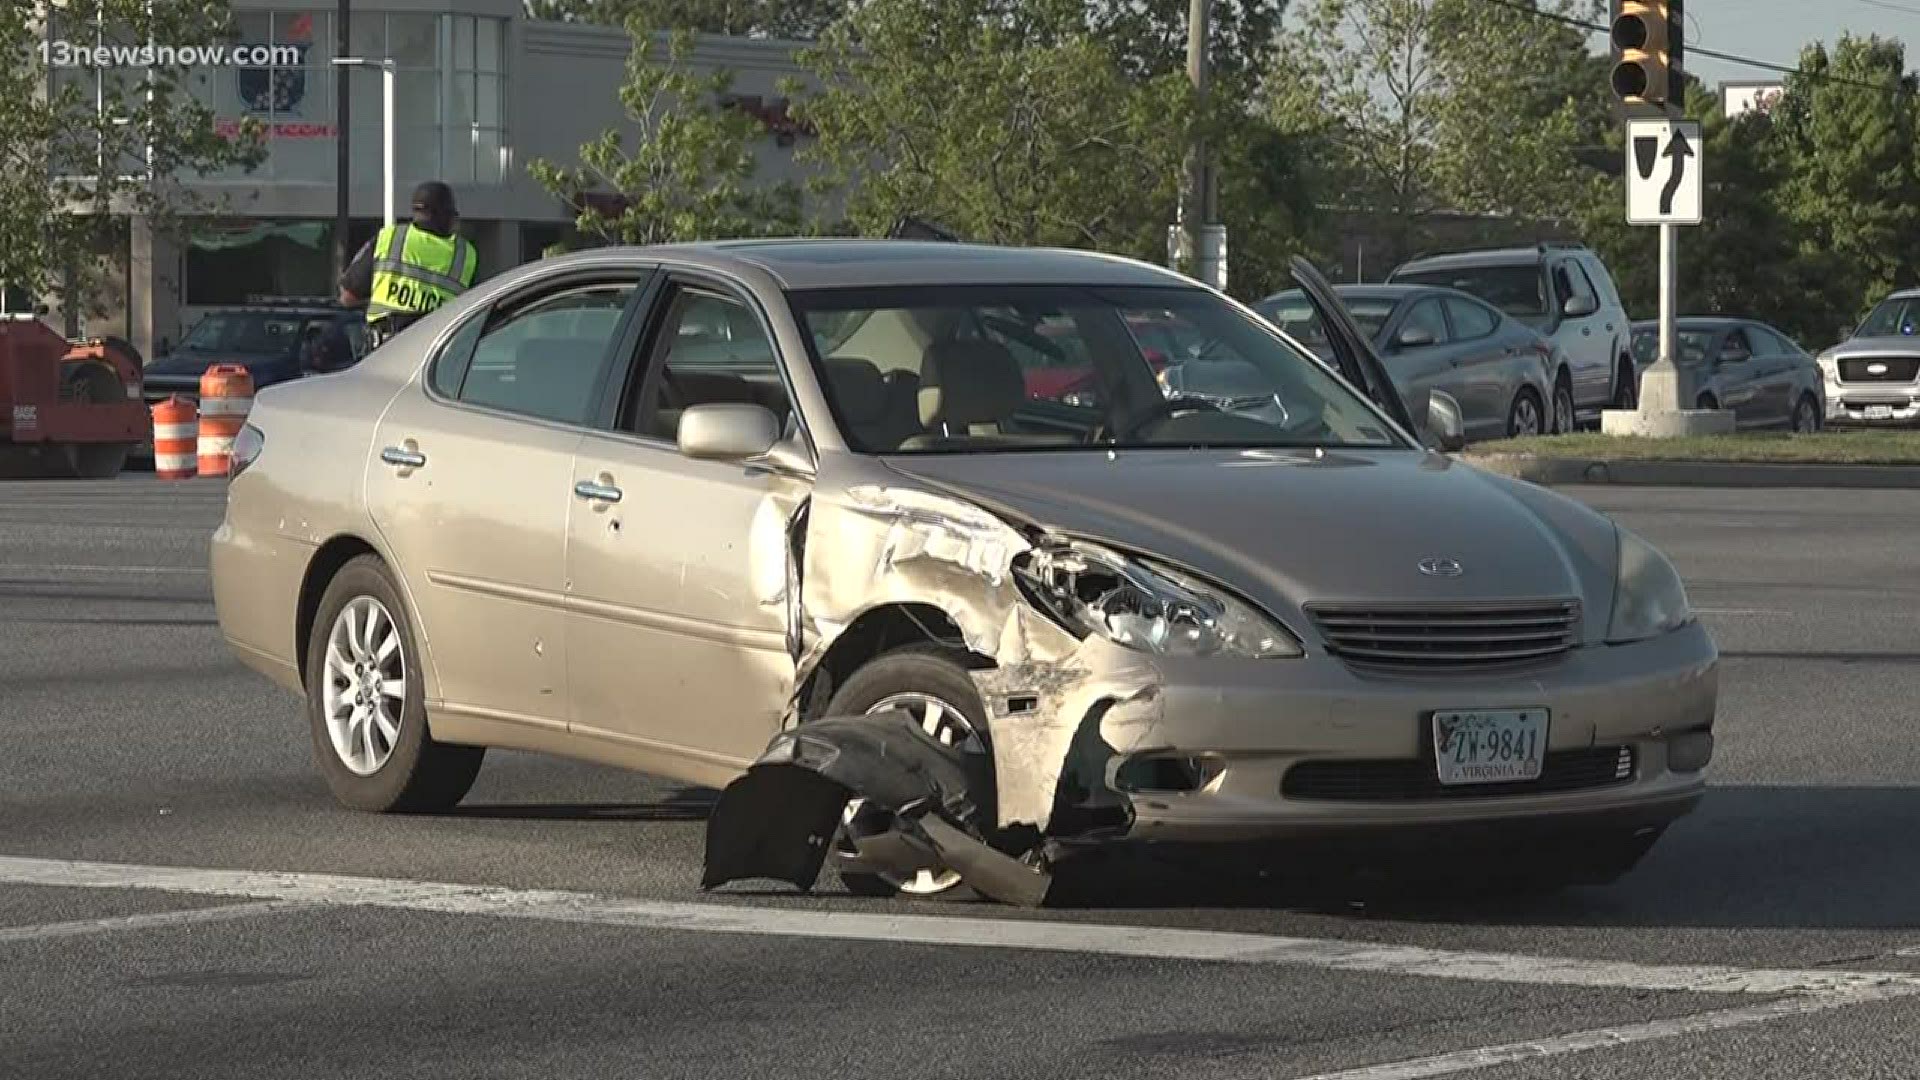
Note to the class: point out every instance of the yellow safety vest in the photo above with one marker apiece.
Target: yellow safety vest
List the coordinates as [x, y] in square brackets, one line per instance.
[415, 271]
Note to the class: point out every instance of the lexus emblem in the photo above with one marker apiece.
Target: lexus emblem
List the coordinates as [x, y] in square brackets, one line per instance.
[1876, 369]
[1435, 567]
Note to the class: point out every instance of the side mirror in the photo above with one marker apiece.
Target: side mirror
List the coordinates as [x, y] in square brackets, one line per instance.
[1413, 337]
[1579, 307]
[1446, 424]
[727, 432]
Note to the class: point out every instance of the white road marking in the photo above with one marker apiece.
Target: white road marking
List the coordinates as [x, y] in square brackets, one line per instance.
[76, 568]
[1164, 943]
[1577, 1042]
[152, 920]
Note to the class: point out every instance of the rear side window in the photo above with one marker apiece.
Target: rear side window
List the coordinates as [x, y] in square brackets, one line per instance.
[1470, 320]
[543, 359]
[1425, 315]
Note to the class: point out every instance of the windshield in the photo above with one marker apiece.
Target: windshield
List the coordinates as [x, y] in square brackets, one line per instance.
[1520, 291]
[974, 369]
[1291, 312]
[1898, 316]
[250, 333]
[1691, 344]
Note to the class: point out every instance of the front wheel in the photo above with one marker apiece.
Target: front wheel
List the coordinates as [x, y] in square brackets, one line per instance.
[1563, 418]
[932, 686]
[1806, 415]
[366, 704]
[1626, 392]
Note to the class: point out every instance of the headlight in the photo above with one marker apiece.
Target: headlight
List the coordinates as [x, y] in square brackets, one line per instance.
[1829, 367]
[1648, 599]
[1146, 607]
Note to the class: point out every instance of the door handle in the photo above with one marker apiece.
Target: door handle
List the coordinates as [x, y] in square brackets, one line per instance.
[587, 489]
[406, 459]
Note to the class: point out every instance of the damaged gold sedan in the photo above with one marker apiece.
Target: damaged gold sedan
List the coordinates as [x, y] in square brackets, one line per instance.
[904, 546]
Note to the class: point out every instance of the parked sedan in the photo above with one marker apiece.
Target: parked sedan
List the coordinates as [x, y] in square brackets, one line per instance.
[921, 624]
[1502, 372]
[1746, 367]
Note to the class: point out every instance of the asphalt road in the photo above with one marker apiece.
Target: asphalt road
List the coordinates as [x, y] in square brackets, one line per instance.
[170, 905]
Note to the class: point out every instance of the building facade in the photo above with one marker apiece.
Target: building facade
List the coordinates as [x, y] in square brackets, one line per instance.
[481, 91]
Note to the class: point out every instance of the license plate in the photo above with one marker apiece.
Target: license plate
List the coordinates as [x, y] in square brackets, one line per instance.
[1879, 412]
[1489, 746]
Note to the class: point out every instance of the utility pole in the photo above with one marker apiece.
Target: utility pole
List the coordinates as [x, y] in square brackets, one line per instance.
[1197, 241]
[342, 162]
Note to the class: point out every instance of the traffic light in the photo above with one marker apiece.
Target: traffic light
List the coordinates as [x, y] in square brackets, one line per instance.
[1646, 41]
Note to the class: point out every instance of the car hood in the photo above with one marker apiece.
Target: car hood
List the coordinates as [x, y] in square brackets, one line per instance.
[1288, 528]
[1890, 345]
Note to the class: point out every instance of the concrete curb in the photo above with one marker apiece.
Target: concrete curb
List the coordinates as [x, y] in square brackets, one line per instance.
[1553, 471]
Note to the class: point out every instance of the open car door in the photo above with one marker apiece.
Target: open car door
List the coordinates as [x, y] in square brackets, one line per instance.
[1436, 416]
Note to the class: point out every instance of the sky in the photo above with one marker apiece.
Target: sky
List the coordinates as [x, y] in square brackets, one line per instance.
[1775, 30]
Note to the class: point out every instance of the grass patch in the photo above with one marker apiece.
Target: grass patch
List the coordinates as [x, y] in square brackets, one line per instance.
[1824, 448]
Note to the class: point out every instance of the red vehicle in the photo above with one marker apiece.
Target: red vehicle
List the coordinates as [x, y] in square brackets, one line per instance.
[1055, 371]
[66, 408]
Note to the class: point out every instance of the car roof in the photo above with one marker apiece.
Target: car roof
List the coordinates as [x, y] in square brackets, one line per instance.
[1699, 322]
[1902, 294]
[1506, 256]
[303, 310]
[1395, 293]
[846, 263]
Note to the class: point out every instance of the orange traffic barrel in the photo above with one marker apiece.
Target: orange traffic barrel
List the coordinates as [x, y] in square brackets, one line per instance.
[176, 433]
[226, 396]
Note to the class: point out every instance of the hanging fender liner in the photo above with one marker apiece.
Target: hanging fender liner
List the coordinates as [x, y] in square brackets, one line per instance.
[778, 819]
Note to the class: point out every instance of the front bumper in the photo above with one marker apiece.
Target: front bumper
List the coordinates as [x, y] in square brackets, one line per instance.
[1856, 403]
[1253, 722]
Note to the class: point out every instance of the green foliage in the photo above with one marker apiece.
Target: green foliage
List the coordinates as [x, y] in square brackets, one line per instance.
[802, 19]
[1852, 179]
[1007, 122]
[69, 168]
[690, 172]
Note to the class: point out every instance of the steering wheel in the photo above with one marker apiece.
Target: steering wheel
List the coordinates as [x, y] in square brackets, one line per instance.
[1164, 409]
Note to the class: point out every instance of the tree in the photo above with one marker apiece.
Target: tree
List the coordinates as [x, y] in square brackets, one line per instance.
[1415, 107]
[1150, 37]
[1359, 87]
[1848, 126]
[1009, 122]
[691, 171]
[71, 167]
[795, 19]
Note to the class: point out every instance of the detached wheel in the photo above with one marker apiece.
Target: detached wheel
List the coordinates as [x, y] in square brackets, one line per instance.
[1806, 415]
[366, 705]
[1523, 416]
[929, 683]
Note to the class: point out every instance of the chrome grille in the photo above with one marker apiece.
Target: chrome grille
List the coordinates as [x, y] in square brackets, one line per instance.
[1439, 638]
[1893, 369]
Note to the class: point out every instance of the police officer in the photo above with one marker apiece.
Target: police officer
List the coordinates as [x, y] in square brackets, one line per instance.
[408, 270]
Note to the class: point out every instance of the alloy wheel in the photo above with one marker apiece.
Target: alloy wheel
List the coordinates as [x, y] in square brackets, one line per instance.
[1526, 417]
[1806, 418]
[948, 726]
[365, 685]
[1562, 412]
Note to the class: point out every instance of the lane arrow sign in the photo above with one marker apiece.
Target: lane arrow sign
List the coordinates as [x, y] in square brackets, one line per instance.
[1679, 150]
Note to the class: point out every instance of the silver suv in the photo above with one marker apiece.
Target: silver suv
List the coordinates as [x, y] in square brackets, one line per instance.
[1873, 377]
[1563, 291]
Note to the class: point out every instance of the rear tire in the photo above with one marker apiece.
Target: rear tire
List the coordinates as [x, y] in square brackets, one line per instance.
[1523, 416]
[1626, 386]
[400, 771]
[930, 672]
